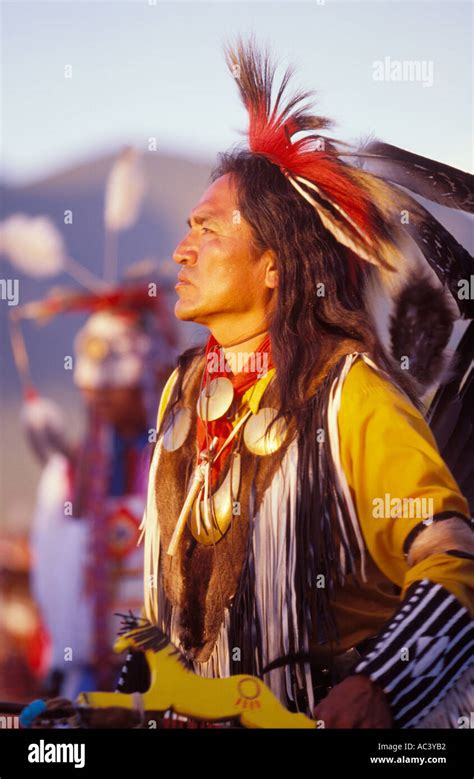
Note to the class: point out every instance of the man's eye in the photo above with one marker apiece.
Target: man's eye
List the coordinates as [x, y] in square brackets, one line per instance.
[206, 229]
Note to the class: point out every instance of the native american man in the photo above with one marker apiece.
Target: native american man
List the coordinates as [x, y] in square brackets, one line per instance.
[301, 524]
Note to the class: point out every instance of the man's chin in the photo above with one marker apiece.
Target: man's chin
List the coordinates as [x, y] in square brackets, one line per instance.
[185, 313]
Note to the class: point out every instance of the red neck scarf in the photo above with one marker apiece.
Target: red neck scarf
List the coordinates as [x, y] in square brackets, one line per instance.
[241, 382]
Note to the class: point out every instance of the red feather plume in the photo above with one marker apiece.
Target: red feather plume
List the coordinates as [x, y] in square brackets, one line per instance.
[272, 126]
[358, 204]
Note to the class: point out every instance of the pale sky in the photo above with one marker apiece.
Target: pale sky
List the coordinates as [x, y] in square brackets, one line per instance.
[145, 69]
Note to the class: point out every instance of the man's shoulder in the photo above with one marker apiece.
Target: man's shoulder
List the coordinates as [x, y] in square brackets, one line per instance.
[194, 364]
[169, 384]
[363, 379]
[366, 386]
[166, 393]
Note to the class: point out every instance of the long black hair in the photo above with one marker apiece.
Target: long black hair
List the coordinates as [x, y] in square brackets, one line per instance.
[322, 287]
[321, 297]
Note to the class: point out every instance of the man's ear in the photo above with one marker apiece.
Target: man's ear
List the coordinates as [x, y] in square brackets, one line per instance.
[271, 271]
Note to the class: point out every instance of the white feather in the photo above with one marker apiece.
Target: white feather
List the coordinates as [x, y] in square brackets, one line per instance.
[32, 244]
[44, 424]
[124, 191]
[454, 705]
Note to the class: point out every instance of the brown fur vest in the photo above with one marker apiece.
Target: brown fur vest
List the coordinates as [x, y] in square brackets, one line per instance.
[200, 582]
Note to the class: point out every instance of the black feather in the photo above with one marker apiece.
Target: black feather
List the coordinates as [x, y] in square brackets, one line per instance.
[420, 328]
[451, 262]
[451, 417]
[434, 180]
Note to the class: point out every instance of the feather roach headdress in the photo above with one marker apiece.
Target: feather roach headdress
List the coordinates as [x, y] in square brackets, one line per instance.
[364, 205]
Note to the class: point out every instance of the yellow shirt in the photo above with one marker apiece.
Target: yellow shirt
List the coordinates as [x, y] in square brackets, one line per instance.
[388, 452]
[389, 456]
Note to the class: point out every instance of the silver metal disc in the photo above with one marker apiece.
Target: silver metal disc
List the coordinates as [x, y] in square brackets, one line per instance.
[209, 525]
[214, 402]
[256, 437]
[177, 432]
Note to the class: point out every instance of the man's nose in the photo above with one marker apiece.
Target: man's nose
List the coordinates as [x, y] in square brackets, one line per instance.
[185, 253]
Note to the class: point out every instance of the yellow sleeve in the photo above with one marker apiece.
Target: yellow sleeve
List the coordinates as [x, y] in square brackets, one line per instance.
[392, 464]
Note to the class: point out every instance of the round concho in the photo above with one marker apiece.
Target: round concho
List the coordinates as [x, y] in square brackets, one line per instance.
[176, 434]
[216, 399]
[256, 437]
[210, 523]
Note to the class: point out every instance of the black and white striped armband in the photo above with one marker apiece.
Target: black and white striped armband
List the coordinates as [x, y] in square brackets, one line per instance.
[422, 653]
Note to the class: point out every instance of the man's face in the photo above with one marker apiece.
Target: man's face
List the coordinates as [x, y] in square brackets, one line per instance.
[221, 275]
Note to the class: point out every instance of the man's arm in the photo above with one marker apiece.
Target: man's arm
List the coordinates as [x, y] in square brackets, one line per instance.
[423, 653]
[426, 648]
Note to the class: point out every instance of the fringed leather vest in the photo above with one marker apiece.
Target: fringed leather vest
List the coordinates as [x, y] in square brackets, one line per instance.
[270, 587]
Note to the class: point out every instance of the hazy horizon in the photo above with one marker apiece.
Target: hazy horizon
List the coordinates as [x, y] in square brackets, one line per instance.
[142, 70]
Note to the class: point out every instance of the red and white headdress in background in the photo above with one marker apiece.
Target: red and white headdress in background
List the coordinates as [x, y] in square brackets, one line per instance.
[130, 333]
